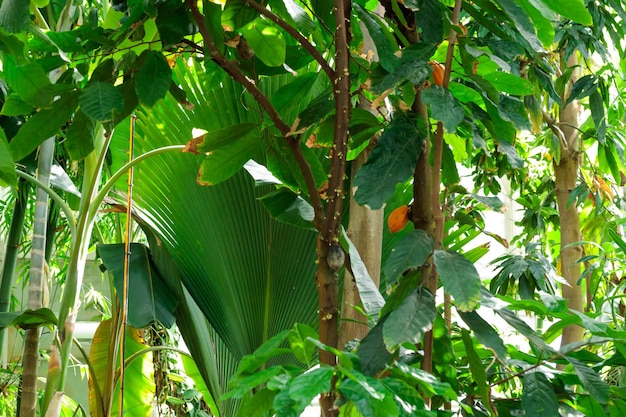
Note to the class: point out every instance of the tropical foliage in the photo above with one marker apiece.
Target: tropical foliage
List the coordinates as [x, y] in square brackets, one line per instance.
[253, 150]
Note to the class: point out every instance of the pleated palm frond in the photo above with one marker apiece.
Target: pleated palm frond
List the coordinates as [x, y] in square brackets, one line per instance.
[249, 275]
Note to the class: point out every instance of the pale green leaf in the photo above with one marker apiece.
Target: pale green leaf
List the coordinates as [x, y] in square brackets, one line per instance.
[305, 387]
[459, 277]
[7, 168]
[14, 105]
[570, 9]
[509, 83]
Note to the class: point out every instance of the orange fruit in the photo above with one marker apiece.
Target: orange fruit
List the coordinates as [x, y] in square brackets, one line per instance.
[438, 70]
[398, 219]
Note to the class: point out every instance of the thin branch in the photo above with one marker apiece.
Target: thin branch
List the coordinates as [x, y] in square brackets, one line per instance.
[296, 35]
[294, 144]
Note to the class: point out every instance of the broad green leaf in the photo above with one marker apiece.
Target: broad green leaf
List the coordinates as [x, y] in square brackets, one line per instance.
[79, 137]
[392, 161]
[427, 381]
[301, 347]
[43, 125]
[7, 167]
[258, 405]
[290, 95]
[372, 351]
[570, 9]
[249, 383]
[538, 398]
[153, 78]
[386, 45]
[30, 82]
[591, 380]
[287, 206]
[412, 66]
[513, 110]
[139, 383]
[192, 372]
[28, 319]
[215, 139]
[524, 329]
[173, 21]
[213, 20]
[101, 100]
[15, 15]
[14, 105]
[411, 252]
[596, 105]
[305, 387]
[485, 334]
[144, 283]
[410, 320]
[371, 297]
[542, 19]
[522, 23]
[589, 406]
[369, 396]
[237, 14]
[583, 87]
[617, 408]
[430, 20]
[267, 42]
[224, 162]
[511, 154]
[479, 372]
[443, 107]
[459, 277]
[268, 349]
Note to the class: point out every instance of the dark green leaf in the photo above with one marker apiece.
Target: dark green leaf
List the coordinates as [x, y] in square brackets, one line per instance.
[484, 333]
[7, 167]
[28, 319]
[582, 88]
[213, 20]
[459, 277]
[479, 372]
[523, 23]
[224, 162]
[538, 397]
[258, 405]
[30, 81]
[372, 351]
[411, 252]
[392, 161]
[596, 105]
[317, 110]
[43, 125]
[427, 381]
[267, 42]
[524, 329]
[542, 19]
[430, 20]
[369, 396]
[291, 95]
[570, 9]
[411, 320]
[153, 78]
[79, 137]
[513, 110]
[287, 206]
[100, 100]
[443, 107]
[591, 380]
[305, 387]
[511, 154]
[150, 298]
[14, 105]
[216, 139]
[14, 15]
[384, 41]
[173, 21]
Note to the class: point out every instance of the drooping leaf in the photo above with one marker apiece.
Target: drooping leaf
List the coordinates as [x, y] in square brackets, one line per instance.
[591, 380]
[538, 398]
[511, 154]
[443, 107]
[153, 78]
[596, 106]
[28, 319]
[7, 168]
[570, 9]
[392, 161]
[411, 252]
[524, 329]
[479, 372]
[14, 15]
[30, 82]
[287, 206]
[411, 319]
[513, 110]
[215, 139]
[100, 100]
[485, 334]
[267, 42]
[43, 125]
[79, 136]
[148, 295]
[384, 41]
[305, 387]
[459, 277]
[583, 87]
[372, 350]
[224, 162]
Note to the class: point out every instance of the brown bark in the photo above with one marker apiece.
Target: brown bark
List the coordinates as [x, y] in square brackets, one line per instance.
[365, 231]
[566, 176]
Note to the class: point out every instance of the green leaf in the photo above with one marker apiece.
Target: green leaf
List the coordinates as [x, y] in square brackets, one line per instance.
[14, 15]
[459, 277]
[258, 405]
[213, 20]
[267, 42]
[215, 139]
[43, 125]
[478, 370]
[392, 161]
[192, 372]
[485, 334]
[583, 87]
[153, 78]
[28, 319]
[7, 168]
[372, 351]
[224, 162]
[100, 100]
[538, 398]
[591, 380]
[14, 105]
[305, 387]
[79, 137]
[522, 23]
[301, 347]
[386, 45]
[596, 105]
[513, 110]
[249, 383]
[237, 14]
[369, 396]
[287, 206]
[542, 18]
[411, 252]
[570, 9]
[30, 81]
[427, 381]
[411, 320]
[430, 20]
[371, 297]
[524, 329]
[617, 408]
[144, 283]
[268, 349]
[443, 107]
[512, 156]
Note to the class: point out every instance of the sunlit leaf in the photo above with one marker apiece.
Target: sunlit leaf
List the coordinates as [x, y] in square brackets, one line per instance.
[29, 81]
[570, 9]
[7, 168]
[267, 42]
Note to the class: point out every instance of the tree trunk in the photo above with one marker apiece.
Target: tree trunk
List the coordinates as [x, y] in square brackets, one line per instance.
[566, 175]
[365, 231]
[30, 358]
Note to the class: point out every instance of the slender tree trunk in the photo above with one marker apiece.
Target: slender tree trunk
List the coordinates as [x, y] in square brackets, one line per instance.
[30, 359]
[365, 231]
[10, 257]
[566, 176]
